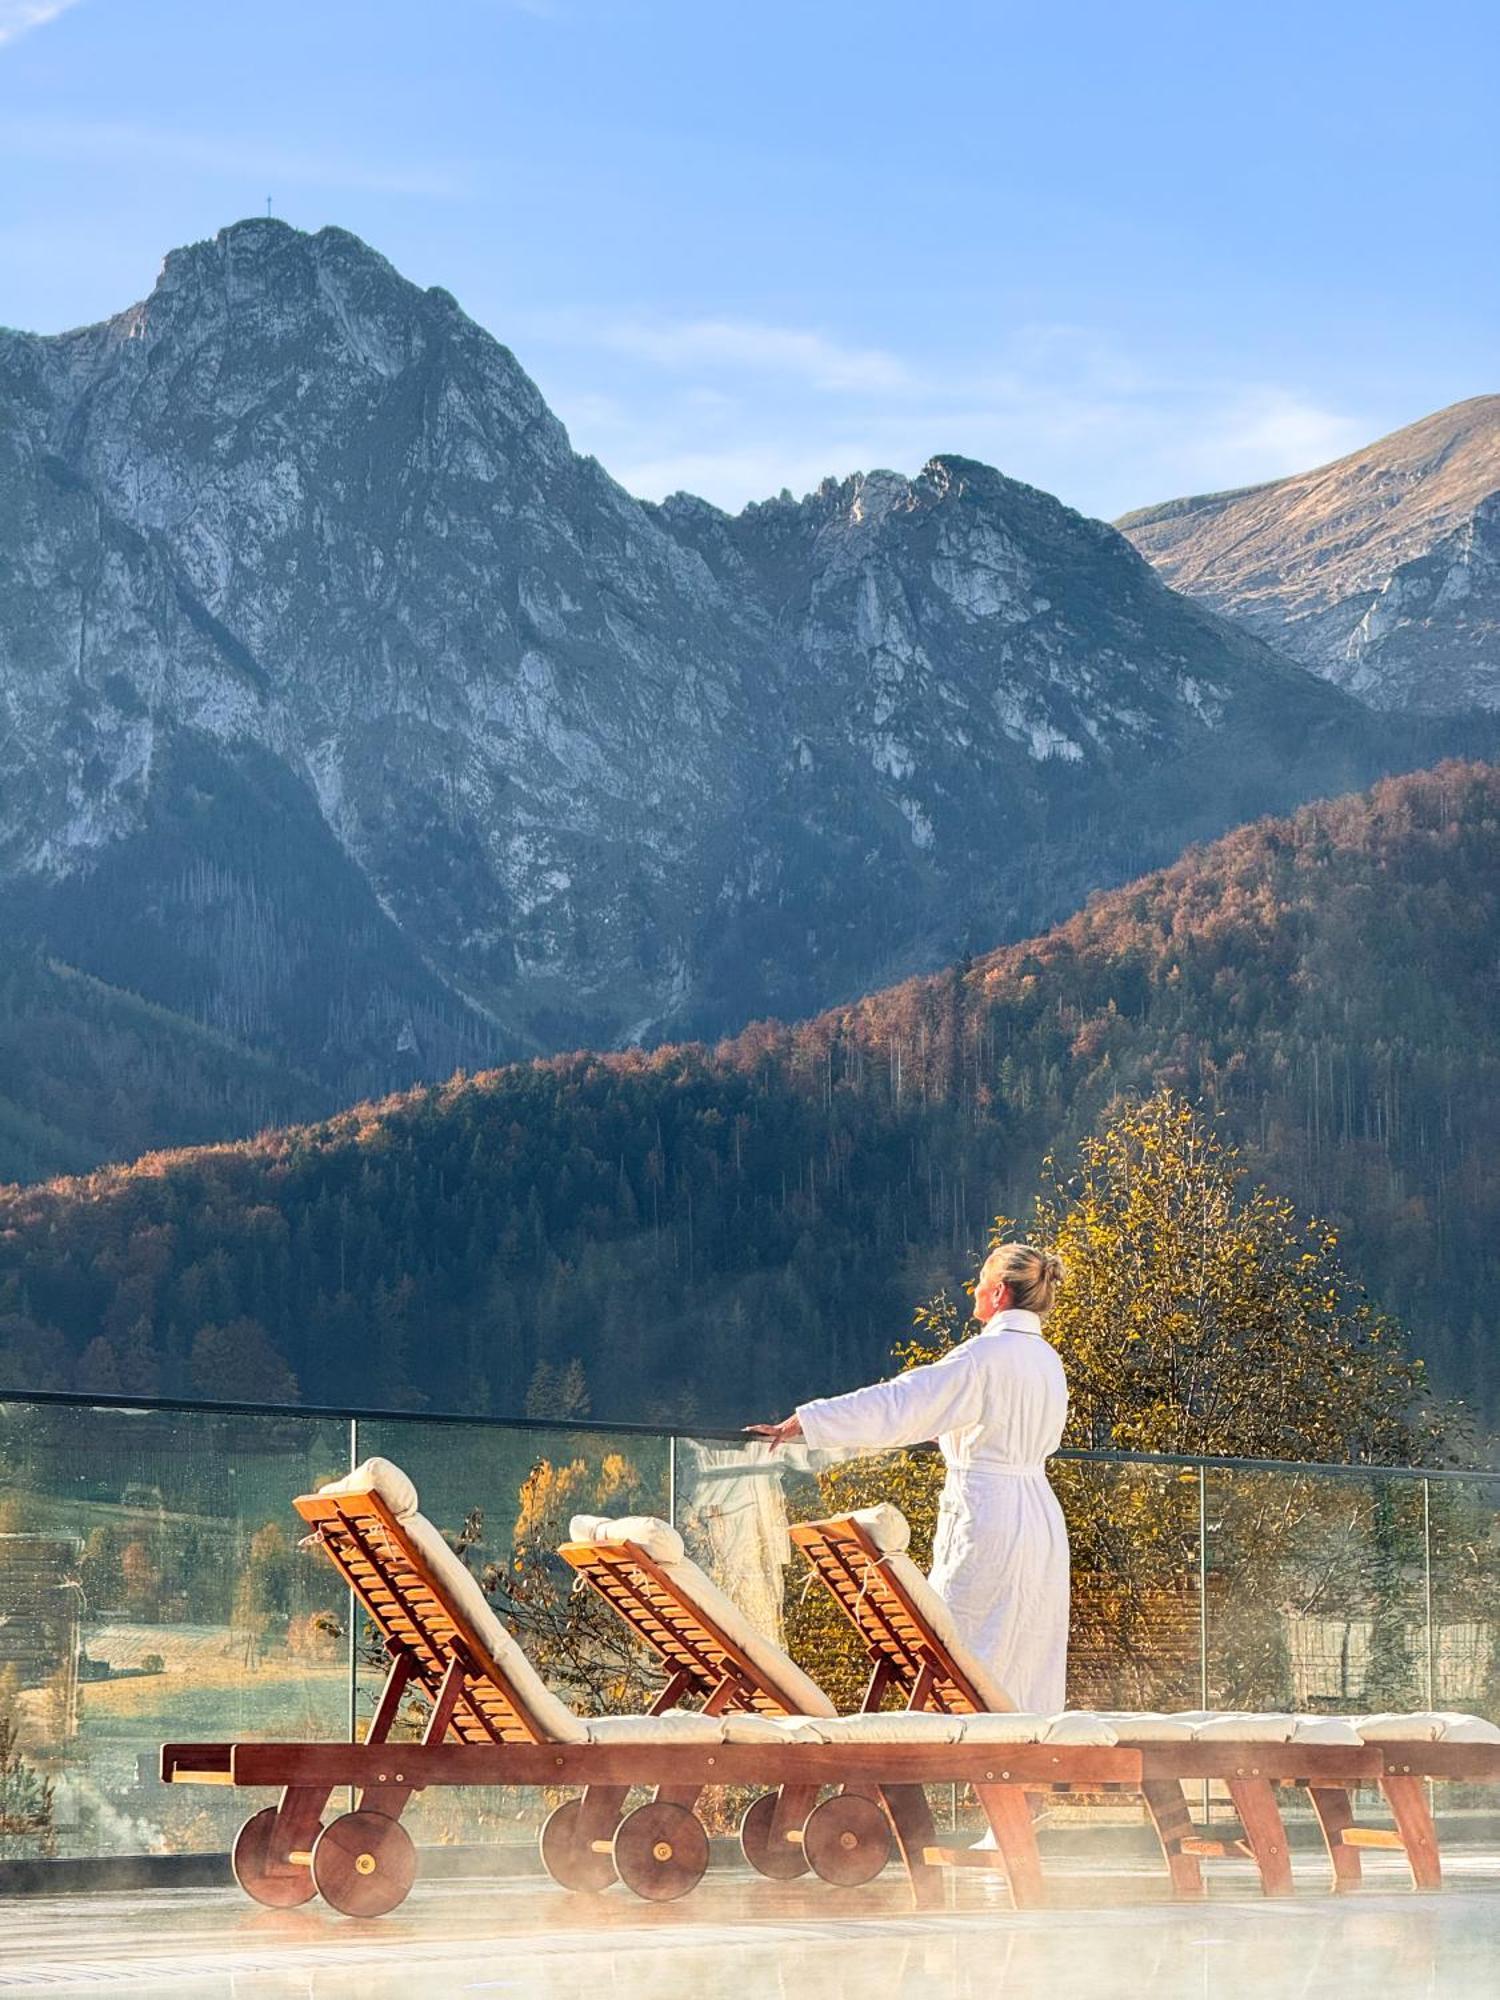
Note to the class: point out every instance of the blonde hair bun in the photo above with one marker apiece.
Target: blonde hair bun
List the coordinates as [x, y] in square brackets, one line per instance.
[1034, 1276]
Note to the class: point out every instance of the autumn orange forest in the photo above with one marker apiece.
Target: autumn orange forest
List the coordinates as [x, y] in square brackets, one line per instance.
[707, 1233]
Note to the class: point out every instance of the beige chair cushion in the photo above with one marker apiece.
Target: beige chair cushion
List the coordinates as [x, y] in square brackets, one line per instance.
[1242, 1727]
[1426, 1726]
[1074, 1727]
[677, 1725]
[1077, 1725]
[898, 1726]
[378, 1475]
[938, 1620]
[512, 1669]
[908, 1726]
[1214, 1725]
[888, 1529]
[1147, 1726]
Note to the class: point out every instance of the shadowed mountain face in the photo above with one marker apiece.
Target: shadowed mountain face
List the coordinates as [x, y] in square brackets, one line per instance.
[1381, 571]
[351, 713]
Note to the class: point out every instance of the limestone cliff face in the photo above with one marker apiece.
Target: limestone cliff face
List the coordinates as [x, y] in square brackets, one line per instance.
[1381, 571]
[349, 710]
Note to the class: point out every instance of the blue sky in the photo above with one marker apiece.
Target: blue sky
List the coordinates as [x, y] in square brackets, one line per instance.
[1119, 251]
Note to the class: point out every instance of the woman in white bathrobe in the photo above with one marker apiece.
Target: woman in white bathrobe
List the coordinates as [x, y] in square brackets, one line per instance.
[996, 1405]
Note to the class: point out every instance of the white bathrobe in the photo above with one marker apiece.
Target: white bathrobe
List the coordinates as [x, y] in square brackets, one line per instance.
[996, 1405]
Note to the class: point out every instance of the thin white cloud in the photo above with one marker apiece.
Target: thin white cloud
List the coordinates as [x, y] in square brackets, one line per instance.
[1285, 432]
[1057, 408]
[268, 164]
[736, 409]
[19, 17]
[733, 344]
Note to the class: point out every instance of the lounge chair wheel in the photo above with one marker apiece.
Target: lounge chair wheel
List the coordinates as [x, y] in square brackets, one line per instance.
[363, 1864]
[661, 1851]
[847, 1840]
[571, 1861]
[250, 1859]
[784, 1861]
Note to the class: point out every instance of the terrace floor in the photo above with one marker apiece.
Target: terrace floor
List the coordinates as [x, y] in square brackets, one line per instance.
[737, 1938]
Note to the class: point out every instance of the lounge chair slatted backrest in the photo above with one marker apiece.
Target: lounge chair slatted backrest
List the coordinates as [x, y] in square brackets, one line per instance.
[907, 1629]
[641, 1568]
[431, 1611]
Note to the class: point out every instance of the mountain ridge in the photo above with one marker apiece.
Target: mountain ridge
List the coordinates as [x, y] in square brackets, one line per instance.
[294, 544]
[1380, 569]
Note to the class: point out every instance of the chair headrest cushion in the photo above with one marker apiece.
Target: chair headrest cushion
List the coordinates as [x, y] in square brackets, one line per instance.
[659, 1540]
[886, 1526]
[378, 1475]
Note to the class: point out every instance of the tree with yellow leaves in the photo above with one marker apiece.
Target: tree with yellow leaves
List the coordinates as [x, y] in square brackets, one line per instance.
[580, 1646]
[1199, 1316]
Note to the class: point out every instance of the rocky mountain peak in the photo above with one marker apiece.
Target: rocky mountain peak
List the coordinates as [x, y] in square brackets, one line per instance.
[296, 543]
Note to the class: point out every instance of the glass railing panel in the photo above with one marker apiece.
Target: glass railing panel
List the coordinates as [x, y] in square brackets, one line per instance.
[1133, 1528]
[1136, 1633]
[735, 1503]
[504, 1498]
[1316, 1595]
[1464, 1650]
[155, 1590]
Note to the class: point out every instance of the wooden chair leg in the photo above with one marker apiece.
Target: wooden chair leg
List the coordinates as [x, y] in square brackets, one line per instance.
[1008, 1811]
[911, 1816]
[599, 1811]
[1174, 1824]
[793, 1804]
[1255, 1802]
[297, 1819]
[686, 1796]
[1407, 1799]
[1335, 1814]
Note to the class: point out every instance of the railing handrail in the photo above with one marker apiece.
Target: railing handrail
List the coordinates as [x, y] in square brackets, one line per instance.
[708, 1433]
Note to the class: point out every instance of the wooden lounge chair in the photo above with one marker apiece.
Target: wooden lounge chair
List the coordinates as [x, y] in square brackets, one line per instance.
[914, 1650]
[712, 1653]
[446, 1645]
[491, 1721]
[710, 1650]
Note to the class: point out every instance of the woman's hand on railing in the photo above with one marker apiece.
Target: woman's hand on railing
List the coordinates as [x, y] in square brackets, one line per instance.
[775, 1434]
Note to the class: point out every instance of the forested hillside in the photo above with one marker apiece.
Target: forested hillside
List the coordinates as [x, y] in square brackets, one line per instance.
[715, 1232]
[89, 1072]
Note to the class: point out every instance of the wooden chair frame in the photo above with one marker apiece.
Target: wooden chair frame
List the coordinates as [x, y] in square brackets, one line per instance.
[480, 1730]
[388, 1775]
[700, 1658]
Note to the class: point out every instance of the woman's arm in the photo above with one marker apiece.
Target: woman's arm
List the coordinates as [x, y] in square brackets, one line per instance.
[909, 1409]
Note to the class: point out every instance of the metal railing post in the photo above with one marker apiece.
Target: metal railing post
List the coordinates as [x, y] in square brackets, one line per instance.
[1427, 1592]
[1203, 1607]
[353, 1623]
[1203, 1587]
